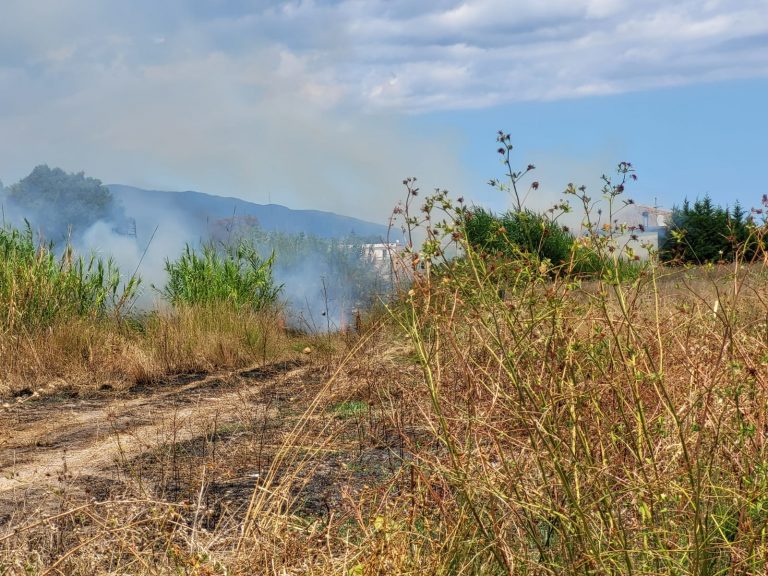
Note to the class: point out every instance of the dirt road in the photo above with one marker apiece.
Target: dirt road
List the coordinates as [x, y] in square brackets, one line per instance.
[47, 444]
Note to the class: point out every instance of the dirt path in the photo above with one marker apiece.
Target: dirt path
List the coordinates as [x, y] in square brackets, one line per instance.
[44, 444]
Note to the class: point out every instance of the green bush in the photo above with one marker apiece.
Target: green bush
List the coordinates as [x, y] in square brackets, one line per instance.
[235, 275]
[514, 232]
[38, 288]
[520, 239]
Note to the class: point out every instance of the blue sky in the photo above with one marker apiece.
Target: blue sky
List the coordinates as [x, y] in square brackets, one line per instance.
[330, 104]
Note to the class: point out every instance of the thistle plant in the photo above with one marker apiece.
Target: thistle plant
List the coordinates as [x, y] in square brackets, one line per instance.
[510, 186]
[575, 430]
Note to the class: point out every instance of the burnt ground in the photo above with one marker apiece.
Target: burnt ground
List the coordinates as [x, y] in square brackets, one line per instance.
[208, 439]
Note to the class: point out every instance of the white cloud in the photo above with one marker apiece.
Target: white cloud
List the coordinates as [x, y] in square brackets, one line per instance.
[417, 56]
[237, 98]
[542, 50]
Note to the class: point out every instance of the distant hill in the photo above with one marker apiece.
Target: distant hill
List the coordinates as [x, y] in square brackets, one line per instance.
[199, 214]
[61, 206]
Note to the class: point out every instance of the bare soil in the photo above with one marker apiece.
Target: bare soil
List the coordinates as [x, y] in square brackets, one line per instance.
[89, 447]
[207, 439]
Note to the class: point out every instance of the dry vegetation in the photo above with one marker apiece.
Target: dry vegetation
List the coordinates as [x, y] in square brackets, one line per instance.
[500, 417]
[564, 428]
[79, 354]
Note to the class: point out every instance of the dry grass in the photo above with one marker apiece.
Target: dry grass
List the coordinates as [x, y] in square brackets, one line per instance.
[614, 429]
[561, 429]
[80, 354]
[192, 502]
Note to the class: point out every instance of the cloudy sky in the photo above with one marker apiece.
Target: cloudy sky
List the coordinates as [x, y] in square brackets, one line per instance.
[330, 104]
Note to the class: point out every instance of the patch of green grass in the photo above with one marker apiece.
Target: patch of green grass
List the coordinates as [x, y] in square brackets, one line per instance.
[349, 409]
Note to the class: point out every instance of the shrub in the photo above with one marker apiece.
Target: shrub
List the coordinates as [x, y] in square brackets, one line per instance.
[512, 232]
[228, 274]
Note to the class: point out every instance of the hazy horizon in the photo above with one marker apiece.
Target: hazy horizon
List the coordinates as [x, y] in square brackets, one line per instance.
[330, 104]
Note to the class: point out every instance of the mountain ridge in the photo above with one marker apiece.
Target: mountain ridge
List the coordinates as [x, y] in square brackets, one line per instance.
[201, 210]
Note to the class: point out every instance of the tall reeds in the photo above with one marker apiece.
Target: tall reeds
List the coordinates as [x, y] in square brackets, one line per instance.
[39, 287]
[233, 274]
[70, 319]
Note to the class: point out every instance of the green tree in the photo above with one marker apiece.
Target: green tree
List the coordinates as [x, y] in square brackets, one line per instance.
[56, 202]
[704, 232]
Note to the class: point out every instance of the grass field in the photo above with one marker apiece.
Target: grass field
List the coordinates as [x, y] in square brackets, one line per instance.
[499, 417]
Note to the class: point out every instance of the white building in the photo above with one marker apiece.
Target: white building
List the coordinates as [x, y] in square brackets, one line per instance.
[644, 229]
